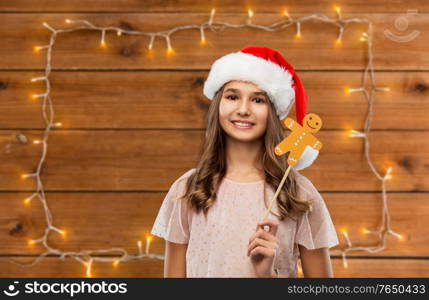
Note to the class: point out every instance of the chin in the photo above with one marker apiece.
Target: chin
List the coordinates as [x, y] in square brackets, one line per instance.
[244, 138]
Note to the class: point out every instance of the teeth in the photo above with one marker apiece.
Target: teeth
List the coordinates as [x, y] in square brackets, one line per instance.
[243, 124]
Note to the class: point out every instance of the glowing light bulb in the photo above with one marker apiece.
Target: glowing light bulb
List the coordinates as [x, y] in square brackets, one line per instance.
[355, 133]
[365, 231]
[203, 37]
[212, 13]
[88, 269]
[364, 37]
[35, 96]
[298, 30]
[36, 49]
[250, 13]
[148, 240]
[27, 201]
[337, 9]
[119, 32]
[170, 51]
[139, 245]
[103, 44]
[24, 176]
[31, 242]
[115, 263]
[345, 264]
[388, 173]
[286, 14]
[68, 21]
[353, 90]
[38, 78]
[58, 124]
[62, 232]
[299, 269]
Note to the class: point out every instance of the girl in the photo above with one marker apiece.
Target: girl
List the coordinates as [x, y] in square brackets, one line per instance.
[211, 216]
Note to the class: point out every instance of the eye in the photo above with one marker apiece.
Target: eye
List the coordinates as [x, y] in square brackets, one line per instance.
[229, 97]
[311, 118]
[262, 100]
[317, 123]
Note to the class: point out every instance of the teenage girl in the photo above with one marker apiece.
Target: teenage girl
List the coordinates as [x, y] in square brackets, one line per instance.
[211, 217]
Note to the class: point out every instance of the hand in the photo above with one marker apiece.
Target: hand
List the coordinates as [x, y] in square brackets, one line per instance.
[263, 247]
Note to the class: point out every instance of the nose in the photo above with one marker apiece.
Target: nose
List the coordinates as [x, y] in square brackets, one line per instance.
[243, 108]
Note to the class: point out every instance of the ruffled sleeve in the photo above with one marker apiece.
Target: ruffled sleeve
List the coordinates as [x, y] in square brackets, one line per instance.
[315, 228]
[172, 222]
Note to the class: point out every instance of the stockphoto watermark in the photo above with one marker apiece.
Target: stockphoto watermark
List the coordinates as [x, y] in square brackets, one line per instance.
[404, 34]
[71, 289]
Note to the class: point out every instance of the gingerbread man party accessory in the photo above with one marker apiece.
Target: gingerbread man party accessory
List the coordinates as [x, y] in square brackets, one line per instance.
[298, 142]
[268, 69]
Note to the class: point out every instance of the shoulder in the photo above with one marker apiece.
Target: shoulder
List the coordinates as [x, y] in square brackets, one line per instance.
[186, 175]
[183, 178]
[178, 188]
[307, 189]
[302, 180]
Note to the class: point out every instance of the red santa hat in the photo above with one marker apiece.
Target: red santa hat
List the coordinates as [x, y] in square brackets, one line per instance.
[267, 69]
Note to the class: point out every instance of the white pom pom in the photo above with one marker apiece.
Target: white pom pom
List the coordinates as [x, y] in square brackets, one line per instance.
[307, 158]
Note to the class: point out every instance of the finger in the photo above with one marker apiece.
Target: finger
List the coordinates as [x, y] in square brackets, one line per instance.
[260, 242]
[259, 233]
[263, 251]
[273, 225]
[266, 236]
[263, 235]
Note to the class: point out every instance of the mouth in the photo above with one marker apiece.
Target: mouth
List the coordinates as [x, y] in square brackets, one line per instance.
[243, 124]
[310, 126]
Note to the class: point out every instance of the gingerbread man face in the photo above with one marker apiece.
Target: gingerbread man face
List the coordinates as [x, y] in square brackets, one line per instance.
[312, 123]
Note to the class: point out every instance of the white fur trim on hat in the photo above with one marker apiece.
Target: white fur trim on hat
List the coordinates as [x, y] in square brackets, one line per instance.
[268, 76]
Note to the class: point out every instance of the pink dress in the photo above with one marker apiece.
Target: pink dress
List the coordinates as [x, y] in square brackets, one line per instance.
[218, 247]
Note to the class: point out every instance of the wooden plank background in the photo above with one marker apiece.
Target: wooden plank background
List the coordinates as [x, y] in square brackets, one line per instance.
[118, 106]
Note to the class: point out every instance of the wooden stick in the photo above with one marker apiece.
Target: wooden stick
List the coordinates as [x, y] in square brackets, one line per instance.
[277, 192]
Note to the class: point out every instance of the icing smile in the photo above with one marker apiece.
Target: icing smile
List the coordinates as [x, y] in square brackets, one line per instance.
[310, 126]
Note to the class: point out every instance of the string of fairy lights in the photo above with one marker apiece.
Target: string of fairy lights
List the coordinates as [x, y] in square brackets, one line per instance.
[87, 257]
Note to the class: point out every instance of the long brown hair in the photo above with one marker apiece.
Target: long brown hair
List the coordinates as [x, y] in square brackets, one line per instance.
[202, 184]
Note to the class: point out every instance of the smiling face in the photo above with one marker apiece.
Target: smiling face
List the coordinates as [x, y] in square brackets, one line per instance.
[243, 111]
[312, 123]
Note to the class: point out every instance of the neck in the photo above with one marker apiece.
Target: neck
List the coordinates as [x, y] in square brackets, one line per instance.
[243, 157]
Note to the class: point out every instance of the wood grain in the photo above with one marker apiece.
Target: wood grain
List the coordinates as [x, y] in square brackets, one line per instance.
[308, 6]
[149, 160]
[316, 50]
[172, 99]
[134, 121]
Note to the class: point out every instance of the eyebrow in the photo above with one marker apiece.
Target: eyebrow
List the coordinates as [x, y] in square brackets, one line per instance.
[255, 93]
